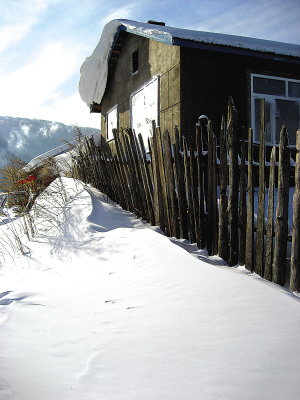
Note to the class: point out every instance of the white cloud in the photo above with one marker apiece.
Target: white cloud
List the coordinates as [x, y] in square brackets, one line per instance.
[126, 12]
[37, 88]
[260, 19]
[12, 34]
[20, 17]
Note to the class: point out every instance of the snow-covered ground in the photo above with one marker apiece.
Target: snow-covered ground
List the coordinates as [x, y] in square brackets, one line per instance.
[103, 306]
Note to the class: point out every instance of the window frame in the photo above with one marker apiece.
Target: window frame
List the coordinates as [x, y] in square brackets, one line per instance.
[155, 78]
[271, 99]
[110, 136]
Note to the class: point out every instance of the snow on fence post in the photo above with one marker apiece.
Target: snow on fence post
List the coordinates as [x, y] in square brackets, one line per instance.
[281, 230]
[223, 202]
[295, 254]
[233, 215]
[242, 205]
[260, 230]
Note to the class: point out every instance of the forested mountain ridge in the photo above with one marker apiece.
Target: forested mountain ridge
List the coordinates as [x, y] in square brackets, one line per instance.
[28, 138]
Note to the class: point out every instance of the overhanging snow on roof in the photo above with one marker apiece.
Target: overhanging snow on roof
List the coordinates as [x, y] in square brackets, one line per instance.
[94, 71]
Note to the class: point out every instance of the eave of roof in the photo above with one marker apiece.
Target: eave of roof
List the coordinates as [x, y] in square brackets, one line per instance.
[92, 88]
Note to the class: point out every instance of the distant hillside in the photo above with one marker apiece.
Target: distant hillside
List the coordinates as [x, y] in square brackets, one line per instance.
[28, 138]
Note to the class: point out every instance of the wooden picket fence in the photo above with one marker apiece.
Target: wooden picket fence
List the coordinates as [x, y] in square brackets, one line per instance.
[205, 193]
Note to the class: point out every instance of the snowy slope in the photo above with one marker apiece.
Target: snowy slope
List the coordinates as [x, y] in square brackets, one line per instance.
[103, 306]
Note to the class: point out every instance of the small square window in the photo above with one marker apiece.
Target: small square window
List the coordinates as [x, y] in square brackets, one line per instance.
[135, 61]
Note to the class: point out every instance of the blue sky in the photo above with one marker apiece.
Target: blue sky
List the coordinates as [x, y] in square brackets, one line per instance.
[43, 43]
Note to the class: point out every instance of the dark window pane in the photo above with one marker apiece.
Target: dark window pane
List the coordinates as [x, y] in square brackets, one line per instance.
[258, 124]
[287, 114]
[294, 89]
[135, 61]
[268, 86]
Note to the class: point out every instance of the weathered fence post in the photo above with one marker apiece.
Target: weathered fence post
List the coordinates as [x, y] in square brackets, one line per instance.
[270, 222]
[295, 255]
[260, 229]
[170, 182]
[181, 195]
[233, 213]
[242, 206]
[249, 256]
[147, 179]
[160, 158]
[201, 226]
[281, 230]
[157, 191]
[189, 192]
[223, 203]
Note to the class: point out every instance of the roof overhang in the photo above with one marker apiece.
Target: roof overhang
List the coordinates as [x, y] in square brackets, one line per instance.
[97, 69]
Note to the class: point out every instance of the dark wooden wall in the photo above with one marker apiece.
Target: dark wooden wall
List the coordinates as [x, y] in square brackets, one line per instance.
[208, 78]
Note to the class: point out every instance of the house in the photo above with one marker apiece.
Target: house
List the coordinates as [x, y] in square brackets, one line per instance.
[145, 71]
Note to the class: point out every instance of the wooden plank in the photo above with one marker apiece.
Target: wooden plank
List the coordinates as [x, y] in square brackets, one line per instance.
[295, 254]
[209, 194]
[242, 205]
[127, 181]
[96, 157]
[123, 180]
[160, 156]
[148, 186]
[157, 194]
[201, 216]
[233, 215]
[223, 203]
[170, 184]
[260, 229]
[181, 195]
[194, 190]
[249, 256]
[270, 220]
[137, 208]
[188, 190]
[118, 180]
[215, 196]
[281, 229]
[137, 172]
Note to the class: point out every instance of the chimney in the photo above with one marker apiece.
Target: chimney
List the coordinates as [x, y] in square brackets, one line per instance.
[150, 21]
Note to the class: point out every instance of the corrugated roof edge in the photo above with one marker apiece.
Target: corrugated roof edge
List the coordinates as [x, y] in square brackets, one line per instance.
[170, 35]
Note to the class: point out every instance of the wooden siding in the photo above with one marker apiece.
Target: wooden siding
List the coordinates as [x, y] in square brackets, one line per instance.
[155, 58]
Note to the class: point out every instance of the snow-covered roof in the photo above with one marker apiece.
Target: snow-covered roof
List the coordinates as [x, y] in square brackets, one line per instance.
[94, 70]
[57, 151]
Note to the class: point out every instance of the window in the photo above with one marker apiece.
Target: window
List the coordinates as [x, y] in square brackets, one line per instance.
[135, 61]
[111, 122]
[144, 109]
[282, 106]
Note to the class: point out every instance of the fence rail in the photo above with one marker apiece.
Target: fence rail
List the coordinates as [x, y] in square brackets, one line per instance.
[205, 193]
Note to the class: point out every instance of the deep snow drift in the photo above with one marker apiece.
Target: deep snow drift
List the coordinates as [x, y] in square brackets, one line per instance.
[103, 306]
